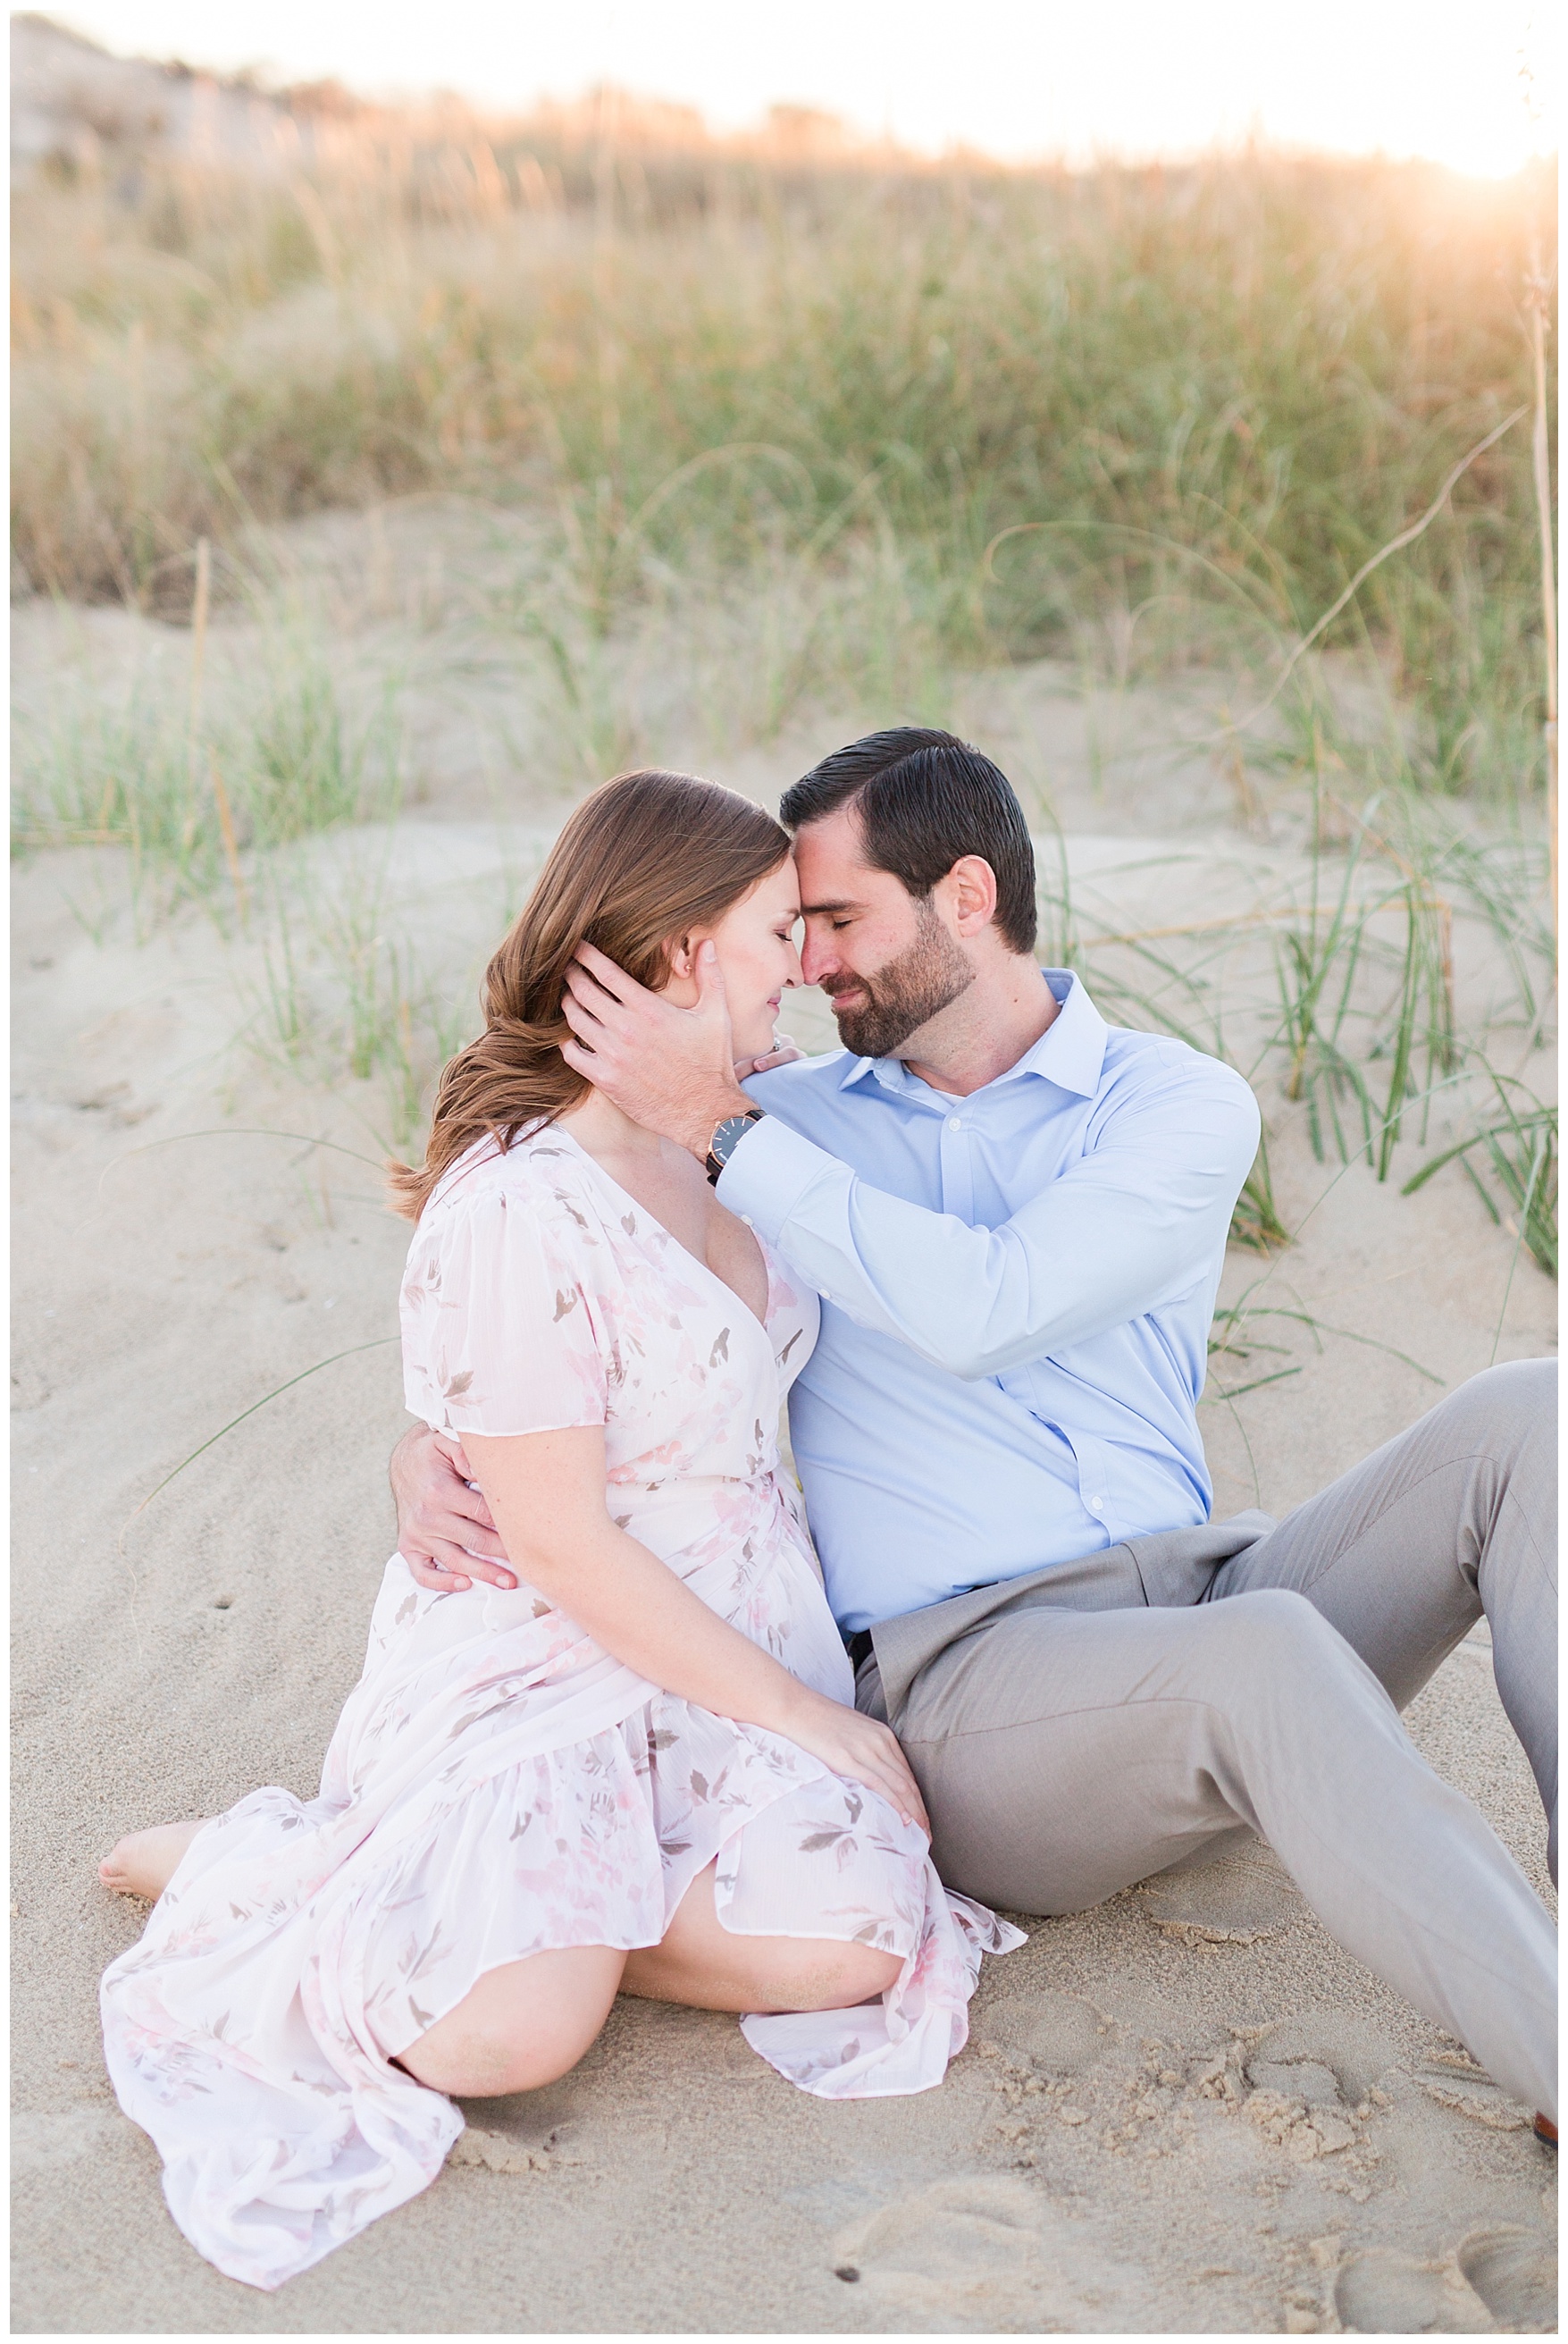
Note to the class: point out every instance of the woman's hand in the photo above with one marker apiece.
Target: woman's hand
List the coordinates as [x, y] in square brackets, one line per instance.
[858, 1746]
[783, 1054]
[547, 1492]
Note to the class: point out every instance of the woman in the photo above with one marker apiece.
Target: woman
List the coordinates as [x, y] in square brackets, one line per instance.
[641, 1769]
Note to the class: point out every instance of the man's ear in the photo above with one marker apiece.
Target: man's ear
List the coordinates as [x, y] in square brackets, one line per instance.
[972, 885]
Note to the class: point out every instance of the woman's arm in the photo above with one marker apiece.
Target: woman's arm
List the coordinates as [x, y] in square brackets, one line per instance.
[546, 1493]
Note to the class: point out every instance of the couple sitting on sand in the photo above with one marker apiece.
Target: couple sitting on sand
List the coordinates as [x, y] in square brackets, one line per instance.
[616, 1735]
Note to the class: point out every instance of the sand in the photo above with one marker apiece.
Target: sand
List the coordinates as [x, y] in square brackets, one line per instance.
[1186, 2111]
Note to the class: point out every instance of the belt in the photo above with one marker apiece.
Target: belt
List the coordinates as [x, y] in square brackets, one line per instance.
[859, 1647]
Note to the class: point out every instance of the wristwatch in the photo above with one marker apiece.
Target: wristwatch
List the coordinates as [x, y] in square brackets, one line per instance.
[727, 1137]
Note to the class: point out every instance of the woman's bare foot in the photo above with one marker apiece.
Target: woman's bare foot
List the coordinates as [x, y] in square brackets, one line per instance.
[144, 1862]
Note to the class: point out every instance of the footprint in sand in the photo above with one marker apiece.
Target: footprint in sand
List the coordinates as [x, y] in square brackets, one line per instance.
[972, 2254]
[1382, 2293]
[1062, 2034]
[1244, 1897]
[1352, 2052]
[1296, 2102]
[1515, 2273]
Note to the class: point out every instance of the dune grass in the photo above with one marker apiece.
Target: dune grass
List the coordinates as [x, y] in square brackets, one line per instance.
[188, 787]
[1186, 403]
[845, 429]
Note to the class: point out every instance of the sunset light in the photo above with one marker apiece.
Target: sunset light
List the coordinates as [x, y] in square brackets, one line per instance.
[1466, 85]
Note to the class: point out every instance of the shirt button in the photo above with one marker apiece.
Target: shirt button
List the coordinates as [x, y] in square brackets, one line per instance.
[953, 1123]
[1095, 1505]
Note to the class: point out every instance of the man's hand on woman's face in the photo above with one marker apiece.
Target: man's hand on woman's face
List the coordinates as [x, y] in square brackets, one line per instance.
[445, 1531]
[670, 1069]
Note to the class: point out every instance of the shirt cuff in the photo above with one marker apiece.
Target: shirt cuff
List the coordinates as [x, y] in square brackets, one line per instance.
[769, 1173]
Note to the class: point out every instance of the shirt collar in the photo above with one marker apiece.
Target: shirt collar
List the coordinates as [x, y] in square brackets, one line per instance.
[1071, 1053]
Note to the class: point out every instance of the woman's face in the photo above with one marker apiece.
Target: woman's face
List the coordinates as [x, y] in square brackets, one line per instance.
[757, 958]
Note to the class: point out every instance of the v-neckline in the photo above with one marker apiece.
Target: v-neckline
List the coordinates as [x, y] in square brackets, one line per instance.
[670, 1236]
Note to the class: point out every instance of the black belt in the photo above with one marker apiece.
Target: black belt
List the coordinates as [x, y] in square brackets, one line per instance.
[859, 1647]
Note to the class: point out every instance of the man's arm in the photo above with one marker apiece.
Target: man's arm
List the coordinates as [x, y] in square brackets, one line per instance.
[445, 1531]
[1129, 1226]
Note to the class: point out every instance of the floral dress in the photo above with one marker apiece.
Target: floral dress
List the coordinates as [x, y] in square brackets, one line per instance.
[499, 1784]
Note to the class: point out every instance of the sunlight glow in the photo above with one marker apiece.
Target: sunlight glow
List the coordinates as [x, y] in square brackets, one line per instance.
[1469, 85]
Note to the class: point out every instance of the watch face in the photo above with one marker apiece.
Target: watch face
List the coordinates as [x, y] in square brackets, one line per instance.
[727, 1134]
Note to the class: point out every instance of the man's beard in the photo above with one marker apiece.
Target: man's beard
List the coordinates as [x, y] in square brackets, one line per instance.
[904, 993]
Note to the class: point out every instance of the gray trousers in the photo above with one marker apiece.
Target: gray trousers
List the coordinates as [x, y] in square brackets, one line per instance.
[1081, 1727]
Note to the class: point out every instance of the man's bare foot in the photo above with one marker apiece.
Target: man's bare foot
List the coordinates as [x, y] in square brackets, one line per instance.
[144, 1862]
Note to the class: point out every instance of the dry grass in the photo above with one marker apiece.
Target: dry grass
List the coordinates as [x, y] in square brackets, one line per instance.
[745, 433]
[1197, 400]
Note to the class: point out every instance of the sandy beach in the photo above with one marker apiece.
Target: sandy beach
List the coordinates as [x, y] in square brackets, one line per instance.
[1187, 2111]
[387, 471]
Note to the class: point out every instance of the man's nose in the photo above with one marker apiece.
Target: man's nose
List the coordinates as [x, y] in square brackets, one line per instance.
[817, 961]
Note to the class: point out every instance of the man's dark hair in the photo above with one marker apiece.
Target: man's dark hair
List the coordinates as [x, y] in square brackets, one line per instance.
[924, 799]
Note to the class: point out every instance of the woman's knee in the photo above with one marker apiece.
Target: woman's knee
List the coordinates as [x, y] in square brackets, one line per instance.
[521, 2026]
[482, 2064]
[822, 1973]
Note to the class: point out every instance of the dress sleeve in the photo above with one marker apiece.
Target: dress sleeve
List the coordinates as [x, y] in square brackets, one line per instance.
[498, 1332]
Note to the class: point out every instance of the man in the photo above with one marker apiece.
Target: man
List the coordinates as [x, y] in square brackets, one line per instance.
[1017, 1217]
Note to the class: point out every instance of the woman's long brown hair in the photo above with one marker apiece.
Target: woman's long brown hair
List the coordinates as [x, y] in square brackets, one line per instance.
[642, 862]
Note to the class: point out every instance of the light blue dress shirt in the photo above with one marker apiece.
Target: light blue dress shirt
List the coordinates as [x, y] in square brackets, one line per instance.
[1017, 1293]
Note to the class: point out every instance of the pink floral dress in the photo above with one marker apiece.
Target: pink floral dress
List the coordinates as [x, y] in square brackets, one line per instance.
[497, 1783]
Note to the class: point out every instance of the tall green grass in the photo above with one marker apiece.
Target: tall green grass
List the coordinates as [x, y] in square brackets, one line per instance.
[187, 786]
[840, 430]
[341, 990]
[1337, 994]
[1184, 405]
